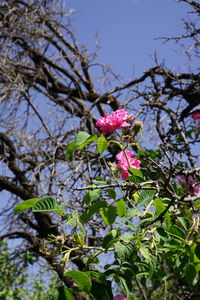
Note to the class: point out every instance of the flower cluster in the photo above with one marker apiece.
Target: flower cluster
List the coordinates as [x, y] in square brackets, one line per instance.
[117, 120]
[192, 186]
[125, 161]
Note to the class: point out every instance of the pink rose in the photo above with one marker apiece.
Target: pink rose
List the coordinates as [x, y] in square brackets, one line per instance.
[192, 186]
[119, 297]
[125, 161]
[118, 119]
[196, 115]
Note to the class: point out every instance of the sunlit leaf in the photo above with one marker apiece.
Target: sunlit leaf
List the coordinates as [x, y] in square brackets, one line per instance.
[102, 144]
[92, 196]
[81, 137]
[121, 208]
[136, 196]
[135, 172]
[47, 204]
[66, 257]
[159, 205]
[25, 205]
[88, 141]
[144, 252]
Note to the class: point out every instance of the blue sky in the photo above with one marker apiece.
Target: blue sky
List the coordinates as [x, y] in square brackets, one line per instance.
[127, 30]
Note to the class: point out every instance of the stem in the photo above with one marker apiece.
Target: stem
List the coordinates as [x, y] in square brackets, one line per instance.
[87, 247]
[141, 289]
[165, 290]
[130, 202]
[116, 142]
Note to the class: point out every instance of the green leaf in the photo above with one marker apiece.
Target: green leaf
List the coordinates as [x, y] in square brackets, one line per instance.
[136, 179]
[124, 251]
[92, 210]
[111, 194]
[135, 172]
[173, 243]
[64, 294]
[92, 259]
[88, 141]
[184, 222]
[70, 149]
[191, 275]
[47, 204]
[101, 291]
[108, 214]
[66, 257]
[121, 208]
[102, 144]
[82, 280]
[81, 137]
[133, 212]
[159, 205]
[167, 220]
[136, 197]
[162, 233]
[144, 252]
[100, 179]
[92, 196]
[197, 250]
[126, 287]
[130, 225]
[25, 205]
[110, 237]
[144, 197]
[197, 205]
[96, 274]
[151, 153]
[127, 237]
[121, 250]
[177, 232]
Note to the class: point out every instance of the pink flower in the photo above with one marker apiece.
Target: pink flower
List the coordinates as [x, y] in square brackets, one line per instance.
[125, 161]
[118, 119]
[119, 297]
[196, 115]
[192, 186]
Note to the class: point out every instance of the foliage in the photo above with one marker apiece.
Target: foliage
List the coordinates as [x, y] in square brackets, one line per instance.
[16, 281]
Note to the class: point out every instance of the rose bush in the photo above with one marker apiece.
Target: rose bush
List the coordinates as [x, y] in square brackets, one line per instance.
[143, 196]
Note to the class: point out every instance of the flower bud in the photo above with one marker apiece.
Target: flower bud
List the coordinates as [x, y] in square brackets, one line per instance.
[59, 239]
[137, 128]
